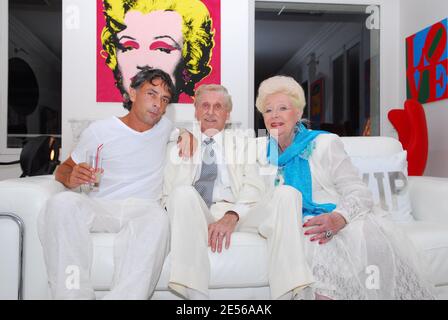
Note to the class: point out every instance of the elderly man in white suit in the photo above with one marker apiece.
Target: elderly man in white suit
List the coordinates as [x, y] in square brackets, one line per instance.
[219, 190]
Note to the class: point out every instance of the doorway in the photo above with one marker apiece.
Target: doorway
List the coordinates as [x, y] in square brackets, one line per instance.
[333, 52]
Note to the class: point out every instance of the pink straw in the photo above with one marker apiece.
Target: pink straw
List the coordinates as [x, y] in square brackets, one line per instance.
[98, 155]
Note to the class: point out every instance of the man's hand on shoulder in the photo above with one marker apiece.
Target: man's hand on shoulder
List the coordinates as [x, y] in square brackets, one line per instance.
[186, 144]
[222, 229]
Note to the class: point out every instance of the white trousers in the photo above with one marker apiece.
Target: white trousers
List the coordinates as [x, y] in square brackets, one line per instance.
[140, 247]
[277, 218]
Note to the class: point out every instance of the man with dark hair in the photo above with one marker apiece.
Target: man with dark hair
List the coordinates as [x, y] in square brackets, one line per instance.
[127, 201]
[148, 74]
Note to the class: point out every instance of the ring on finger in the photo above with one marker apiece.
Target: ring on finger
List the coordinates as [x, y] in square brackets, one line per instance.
[328, 234]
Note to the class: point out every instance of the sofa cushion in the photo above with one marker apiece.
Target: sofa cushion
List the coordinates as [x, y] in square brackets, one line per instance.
[243, 265]
[103, 260]
[431, 239]
[387, 179]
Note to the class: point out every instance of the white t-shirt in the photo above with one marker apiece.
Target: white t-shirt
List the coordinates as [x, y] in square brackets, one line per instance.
[133, 161]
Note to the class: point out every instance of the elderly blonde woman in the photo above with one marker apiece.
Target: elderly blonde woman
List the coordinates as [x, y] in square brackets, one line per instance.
[353, 253]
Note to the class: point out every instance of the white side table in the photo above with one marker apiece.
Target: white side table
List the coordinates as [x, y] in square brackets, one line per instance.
[12, 233]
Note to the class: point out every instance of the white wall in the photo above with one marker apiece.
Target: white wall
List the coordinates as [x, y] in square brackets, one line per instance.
[12, 171]
[416, 15]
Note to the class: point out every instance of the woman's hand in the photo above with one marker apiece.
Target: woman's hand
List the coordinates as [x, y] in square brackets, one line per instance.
[323, 223]
[186, 144]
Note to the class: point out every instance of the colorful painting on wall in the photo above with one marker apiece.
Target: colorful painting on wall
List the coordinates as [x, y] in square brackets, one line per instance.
[183, 38]
[317, 102]
[427, 64]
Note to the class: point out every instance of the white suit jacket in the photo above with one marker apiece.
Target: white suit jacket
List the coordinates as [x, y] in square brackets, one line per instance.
[247, 185]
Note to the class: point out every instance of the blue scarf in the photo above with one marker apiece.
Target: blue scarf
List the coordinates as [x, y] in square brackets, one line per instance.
[296, 168]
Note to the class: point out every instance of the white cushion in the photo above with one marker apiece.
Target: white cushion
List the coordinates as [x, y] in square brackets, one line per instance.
[429, 199]
[10, 254]
[243, 265]
[103, 260]
[387, 179]
[431, 239]
[371, 146]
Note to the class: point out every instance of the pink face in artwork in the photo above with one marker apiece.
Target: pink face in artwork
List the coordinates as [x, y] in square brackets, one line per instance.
[154, 39]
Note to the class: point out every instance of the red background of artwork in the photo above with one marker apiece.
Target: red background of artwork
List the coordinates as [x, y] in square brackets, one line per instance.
[427, 63]
[106, 91]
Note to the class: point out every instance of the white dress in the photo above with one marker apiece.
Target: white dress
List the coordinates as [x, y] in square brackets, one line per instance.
[370, 258]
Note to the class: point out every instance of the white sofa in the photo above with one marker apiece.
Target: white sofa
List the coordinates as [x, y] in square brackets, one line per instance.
[240, 272]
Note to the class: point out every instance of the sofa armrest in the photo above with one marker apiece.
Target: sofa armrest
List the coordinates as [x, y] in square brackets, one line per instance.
[429, 198]
[25, 198]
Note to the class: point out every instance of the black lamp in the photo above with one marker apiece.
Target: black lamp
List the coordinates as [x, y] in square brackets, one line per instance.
[39, 156]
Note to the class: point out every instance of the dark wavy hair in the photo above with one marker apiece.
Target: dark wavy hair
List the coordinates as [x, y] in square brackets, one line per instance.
[147, 74]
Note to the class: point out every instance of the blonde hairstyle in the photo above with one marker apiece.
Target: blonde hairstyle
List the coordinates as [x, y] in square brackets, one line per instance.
[280, 84]
[197, 32]
[213, 88]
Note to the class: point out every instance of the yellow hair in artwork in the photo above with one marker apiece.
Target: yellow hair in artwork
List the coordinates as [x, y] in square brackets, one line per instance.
[197, 32]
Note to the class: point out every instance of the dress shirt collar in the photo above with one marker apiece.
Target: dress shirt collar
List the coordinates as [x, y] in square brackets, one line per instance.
[217, 137]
